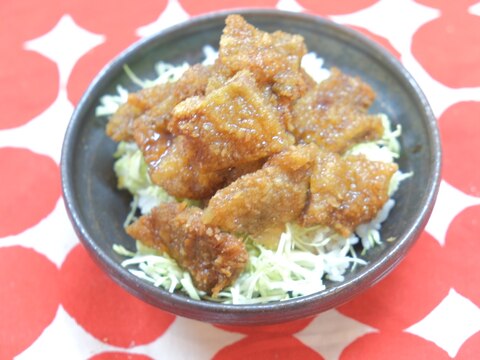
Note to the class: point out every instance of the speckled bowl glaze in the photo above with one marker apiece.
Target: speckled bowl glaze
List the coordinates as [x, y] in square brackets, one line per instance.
[97, 209]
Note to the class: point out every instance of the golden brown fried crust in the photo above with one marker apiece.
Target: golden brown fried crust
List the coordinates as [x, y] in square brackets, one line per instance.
[153, 105]
[273, 58]
[150, 128]
[193, 82]
[234, 173]
[231, 125]
[334, 114]
[181, 175]
[213, 259]
[220, 75]
[179, 172]
[345, 192]
[267, 198]
[120, 126]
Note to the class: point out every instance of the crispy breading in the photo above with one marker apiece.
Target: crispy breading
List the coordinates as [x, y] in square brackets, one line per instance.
[273, 58]
[214, 259]
[267, 198]
[334, 113]
[120, 124]
[150, 128]
[181, 175]
[193, 82]
[234, 173]
[231, 125]
[346, 192]
[154, 104]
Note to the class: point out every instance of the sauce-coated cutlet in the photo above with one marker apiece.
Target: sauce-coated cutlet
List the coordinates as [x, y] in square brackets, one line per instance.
[213, 258]
[261, 144]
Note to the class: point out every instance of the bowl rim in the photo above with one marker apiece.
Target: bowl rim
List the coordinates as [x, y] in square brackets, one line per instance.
[251, 314]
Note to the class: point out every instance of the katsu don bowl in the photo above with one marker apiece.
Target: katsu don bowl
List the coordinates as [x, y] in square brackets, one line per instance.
[251, 168]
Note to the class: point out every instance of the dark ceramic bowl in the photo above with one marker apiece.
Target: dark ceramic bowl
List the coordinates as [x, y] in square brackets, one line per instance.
[97, 209]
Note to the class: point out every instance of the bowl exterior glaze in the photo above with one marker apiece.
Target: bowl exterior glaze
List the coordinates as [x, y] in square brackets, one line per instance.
[97, 209]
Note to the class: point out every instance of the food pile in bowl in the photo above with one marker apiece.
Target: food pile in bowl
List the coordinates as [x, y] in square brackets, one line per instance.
[256, 174]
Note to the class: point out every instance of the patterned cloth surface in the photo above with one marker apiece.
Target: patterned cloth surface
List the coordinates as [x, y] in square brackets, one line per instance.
[56, 304]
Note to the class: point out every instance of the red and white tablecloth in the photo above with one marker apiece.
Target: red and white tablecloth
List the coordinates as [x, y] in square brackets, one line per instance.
[56, 304]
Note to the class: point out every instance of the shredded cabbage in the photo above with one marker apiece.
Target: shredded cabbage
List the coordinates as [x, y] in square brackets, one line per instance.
[303, 257]
[110, 103]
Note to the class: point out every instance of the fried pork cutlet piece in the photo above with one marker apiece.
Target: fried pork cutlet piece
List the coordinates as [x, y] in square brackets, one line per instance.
[334, 114]
[282, 104]
[120, 125]
[231, 125]
[156, 102]
[150, 128]
[181, 175]
[346, 192]
[178, 172]
[214, 259]
[266, 199]
[273, 58]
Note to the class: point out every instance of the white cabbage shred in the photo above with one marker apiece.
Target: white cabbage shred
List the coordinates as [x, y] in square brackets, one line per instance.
[303, 258]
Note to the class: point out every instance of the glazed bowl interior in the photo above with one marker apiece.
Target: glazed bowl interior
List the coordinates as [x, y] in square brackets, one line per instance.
[97, 209]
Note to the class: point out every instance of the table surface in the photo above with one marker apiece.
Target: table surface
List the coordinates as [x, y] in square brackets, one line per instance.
[56, 304]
